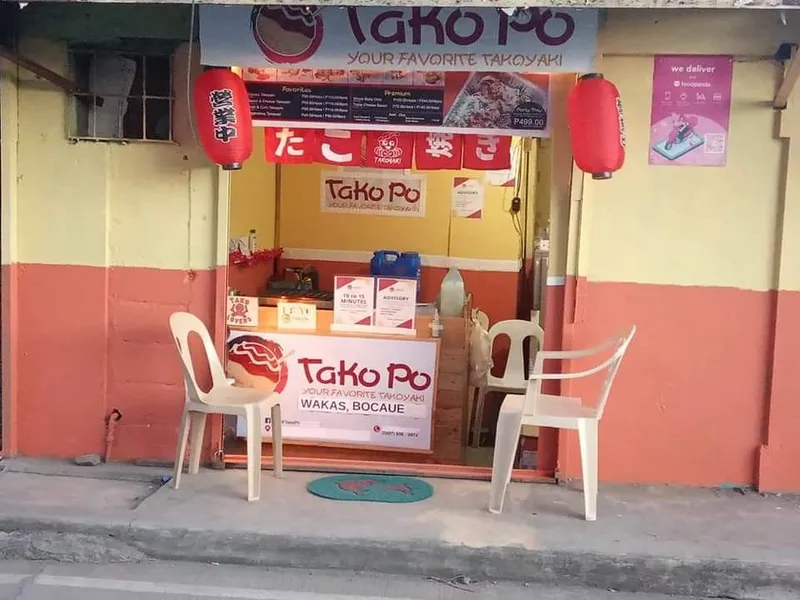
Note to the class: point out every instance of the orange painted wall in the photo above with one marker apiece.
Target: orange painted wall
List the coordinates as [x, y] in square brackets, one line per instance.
[107, 346]
[689, 402]
[702, 260]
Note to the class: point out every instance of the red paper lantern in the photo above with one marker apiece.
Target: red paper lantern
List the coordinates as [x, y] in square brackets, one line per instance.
[224, 122]
[596, 128]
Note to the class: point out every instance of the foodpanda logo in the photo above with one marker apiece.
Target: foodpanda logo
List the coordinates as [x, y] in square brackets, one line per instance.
[387, 150]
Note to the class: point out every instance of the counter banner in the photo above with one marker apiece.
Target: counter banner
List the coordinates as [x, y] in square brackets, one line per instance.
[386, 194]
[691, 110]
[441, 39]
[438, 151]
[389, 150]
[487, 153]
[290, 146]
[480, 102]
[351, 391]
[339, 147]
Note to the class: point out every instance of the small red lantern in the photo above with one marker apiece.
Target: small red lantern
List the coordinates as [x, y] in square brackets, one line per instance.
[596, 129]
[224, 122]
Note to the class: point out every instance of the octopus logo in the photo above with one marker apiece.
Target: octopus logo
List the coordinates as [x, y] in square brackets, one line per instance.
[388, 146]
[258, 363]
[287, 34]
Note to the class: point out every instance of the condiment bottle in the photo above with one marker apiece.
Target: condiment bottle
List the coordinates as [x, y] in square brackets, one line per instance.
[436, 325]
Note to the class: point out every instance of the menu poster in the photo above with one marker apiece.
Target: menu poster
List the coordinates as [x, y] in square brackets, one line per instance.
[353, 302]
[467, 197]
[490, 103]
[396, 305]
[690, 114]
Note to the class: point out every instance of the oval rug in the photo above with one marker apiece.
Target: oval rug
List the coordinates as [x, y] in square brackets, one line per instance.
[371, 488]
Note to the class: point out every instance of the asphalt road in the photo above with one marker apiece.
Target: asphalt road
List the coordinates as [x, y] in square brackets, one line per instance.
[182, 581]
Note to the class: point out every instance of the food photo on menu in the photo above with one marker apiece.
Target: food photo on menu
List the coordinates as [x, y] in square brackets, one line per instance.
[493, 100]
[367, 77]
[429, 78]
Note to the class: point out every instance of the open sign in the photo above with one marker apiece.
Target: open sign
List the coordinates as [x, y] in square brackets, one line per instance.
[384, 194]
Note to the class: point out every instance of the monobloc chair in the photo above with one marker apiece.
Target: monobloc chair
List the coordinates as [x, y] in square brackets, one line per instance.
[223, 399]
[513, 379]
[544, 410]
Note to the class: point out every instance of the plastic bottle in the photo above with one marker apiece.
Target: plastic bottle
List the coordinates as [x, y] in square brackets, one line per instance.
[252, 244]
[436, 325]
[452, 295]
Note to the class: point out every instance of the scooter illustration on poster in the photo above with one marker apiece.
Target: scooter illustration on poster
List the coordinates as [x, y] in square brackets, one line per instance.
[681, 138]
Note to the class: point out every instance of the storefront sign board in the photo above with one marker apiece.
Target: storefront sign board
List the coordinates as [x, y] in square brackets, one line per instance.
[242, 311]
[396, 305]
[341, 390]
[690, 114]
[480, 102]
[297, 315]
[393, 194]
[390, 38]
[353, 303]
[467, 197]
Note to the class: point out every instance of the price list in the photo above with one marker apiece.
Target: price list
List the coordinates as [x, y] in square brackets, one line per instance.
[397, 106]
[345, 104]
[327, 104]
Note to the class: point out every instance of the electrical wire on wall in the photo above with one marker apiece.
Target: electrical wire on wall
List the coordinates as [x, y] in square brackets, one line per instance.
[449, 237]
[520, 178]
[189, 62]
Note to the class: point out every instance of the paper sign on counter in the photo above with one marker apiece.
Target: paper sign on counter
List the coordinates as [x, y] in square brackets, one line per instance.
[297, 315]
[242, 311]
[396, 305]
[353, 302]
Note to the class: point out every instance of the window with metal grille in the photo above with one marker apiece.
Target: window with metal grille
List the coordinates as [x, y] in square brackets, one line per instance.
[123, 96]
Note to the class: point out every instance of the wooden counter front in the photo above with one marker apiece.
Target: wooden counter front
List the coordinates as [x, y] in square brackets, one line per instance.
[450, 397]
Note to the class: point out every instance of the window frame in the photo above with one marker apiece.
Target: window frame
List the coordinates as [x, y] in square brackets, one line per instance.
[140, 54]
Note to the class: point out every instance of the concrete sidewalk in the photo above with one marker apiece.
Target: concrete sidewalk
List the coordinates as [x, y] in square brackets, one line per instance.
[721, 544]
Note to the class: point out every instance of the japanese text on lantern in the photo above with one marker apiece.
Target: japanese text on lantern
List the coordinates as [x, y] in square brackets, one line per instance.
[224, 114]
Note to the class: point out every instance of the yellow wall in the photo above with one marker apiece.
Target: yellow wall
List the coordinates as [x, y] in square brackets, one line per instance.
[253, 197]
[689, 225]
[8, 160]
[304, 225]
[105, 204]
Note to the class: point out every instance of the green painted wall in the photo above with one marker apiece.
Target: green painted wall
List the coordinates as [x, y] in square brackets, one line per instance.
[105, 23]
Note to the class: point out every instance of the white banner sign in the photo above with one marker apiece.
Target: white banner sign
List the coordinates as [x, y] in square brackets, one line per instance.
[532, 40]
[343, 390]
[388, 194]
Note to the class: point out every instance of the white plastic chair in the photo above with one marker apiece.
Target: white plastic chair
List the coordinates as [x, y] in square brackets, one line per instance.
[513, 379]
[543, 410]
[223, 399]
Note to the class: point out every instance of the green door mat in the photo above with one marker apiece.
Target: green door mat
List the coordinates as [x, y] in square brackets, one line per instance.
[371, 488]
